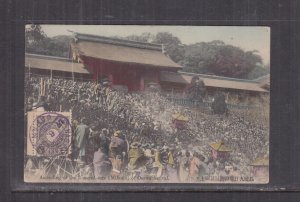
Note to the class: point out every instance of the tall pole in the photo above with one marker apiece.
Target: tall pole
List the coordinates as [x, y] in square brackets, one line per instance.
[41, 87]
[72, 71]
[44, 92]
[29, 70]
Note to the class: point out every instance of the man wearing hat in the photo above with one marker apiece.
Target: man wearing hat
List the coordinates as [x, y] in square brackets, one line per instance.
[117, 151]
[117, 144]
[136, 156]
[158, 161]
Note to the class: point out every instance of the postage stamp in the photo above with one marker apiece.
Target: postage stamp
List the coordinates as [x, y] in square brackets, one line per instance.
[49, 133]
[147, 104]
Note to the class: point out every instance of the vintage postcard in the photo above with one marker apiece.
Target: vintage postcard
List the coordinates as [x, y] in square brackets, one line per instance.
[146, 104]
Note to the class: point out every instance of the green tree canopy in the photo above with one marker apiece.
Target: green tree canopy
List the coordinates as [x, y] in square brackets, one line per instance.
[37, 42]
[144, 37]
[220, 59]
[33, 34]
[172, 45]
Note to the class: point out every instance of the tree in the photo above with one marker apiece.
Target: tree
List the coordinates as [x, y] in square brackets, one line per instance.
[33, 35]
[144, 37]
[172, 45]
[257, 72]
[198, 57]
[38, 42]
[233, 62]
[196, 89]
[60, 45]
[219, 105]
[219, 58]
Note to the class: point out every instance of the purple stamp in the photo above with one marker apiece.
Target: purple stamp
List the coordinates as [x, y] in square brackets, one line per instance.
[50, 134]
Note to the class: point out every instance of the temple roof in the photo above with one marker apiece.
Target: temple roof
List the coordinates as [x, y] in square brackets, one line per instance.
[212, 81]
[54, 63]
[264, 81]
[120, 50]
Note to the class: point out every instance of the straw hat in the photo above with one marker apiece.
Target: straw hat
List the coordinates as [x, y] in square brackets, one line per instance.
[117, 133]
[134, 145]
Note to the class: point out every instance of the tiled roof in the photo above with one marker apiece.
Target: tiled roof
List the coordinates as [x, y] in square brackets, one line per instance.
[218, 82]
[53, 63]
[124, 51]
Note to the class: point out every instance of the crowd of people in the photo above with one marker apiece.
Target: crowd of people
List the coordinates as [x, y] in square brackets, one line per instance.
[119, 133]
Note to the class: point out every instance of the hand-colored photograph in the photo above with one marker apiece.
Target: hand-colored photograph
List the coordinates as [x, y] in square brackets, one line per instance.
[146, 104]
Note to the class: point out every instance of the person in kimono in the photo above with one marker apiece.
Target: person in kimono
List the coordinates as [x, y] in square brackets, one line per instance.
[82, 132]
[102, 164]
[136, 157]
[194, 167]
[104, 141]
[117, 152]
[184, 164]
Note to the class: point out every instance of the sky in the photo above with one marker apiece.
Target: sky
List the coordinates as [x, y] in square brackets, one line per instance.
[248, 38]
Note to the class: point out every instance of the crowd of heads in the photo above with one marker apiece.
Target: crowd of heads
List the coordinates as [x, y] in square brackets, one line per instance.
[145, 119]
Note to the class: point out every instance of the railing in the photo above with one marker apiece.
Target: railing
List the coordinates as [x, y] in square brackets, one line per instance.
[205, 104]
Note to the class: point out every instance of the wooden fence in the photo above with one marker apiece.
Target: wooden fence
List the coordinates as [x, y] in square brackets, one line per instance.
[192, 103]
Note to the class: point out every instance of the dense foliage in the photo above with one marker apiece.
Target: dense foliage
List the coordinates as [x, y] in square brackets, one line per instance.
[37, 42]
[221, 59]
[213, 57]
